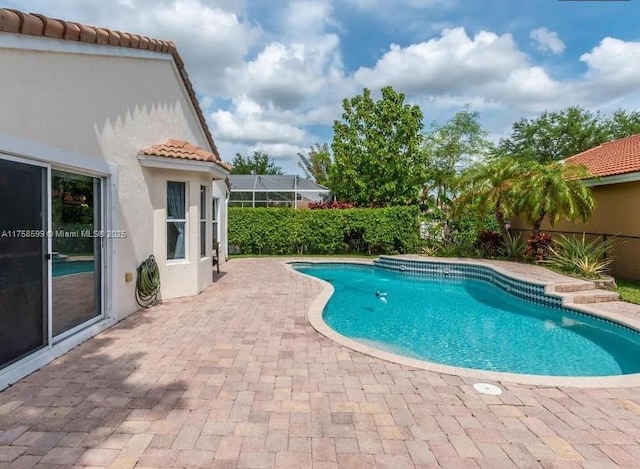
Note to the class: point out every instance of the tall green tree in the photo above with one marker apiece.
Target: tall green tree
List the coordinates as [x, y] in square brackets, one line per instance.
[553, 136]
[554, 191]
[258, 163]
[376, 147]
[316, 164]
[622, 124]
[449, 148]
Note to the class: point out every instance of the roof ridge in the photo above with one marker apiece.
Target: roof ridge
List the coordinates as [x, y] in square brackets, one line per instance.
[34, 24]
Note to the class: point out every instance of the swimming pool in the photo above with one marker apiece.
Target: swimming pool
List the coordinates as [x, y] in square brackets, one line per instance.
[471, 323]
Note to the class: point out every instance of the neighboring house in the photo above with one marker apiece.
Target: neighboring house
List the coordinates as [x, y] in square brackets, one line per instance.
[105, 159]
[615, 167]
[274, 191]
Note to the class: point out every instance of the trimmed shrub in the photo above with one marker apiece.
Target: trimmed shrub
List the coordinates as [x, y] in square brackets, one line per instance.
[390, 230]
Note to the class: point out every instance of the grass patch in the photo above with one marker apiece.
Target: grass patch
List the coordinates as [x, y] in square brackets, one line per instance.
[629, 291]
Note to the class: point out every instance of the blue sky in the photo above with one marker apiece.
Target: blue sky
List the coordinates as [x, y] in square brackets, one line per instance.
[271, 74]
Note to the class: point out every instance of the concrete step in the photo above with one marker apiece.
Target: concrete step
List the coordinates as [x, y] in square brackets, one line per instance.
[590, 296]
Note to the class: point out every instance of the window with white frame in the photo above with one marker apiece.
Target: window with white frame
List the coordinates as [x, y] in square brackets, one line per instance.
[215, 206]
[203, 221]
[176, 219]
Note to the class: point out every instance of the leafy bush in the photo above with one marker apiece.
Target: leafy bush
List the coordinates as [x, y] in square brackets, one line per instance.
[538, 247]
[578, 257]
[467, 226]
[489, 243]
[360, 230]
[514, 247]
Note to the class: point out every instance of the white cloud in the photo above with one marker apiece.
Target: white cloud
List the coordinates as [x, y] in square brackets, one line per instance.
[547, 41]
[456, 65]
[248, 123]
[448, 63]
[209, 39]
[279, 151]
[613, 66]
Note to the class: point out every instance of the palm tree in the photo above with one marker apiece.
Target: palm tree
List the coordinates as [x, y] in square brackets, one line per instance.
[492, 186]
[555, 191]
[317, 163]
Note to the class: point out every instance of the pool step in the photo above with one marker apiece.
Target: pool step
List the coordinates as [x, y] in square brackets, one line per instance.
[590, 296]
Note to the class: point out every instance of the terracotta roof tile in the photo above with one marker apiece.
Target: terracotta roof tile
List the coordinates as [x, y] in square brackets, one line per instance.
[185, 151]
[15, 21]
[611, 158]
[9, 21]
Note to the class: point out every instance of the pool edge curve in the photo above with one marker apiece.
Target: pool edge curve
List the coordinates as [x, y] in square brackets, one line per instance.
[316, 309]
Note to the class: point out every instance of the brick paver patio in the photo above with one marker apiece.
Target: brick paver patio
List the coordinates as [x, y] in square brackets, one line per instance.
[236, 377]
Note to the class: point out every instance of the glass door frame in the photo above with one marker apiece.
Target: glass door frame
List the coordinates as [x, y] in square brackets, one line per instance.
[46, 281]
[102, 194]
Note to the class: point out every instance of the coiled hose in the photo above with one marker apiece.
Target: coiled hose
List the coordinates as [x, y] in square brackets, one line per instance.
[148, 283]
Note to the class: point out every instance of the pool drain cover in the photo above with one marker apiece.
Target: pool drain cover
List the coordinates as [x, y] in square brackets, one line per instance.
[486, 388]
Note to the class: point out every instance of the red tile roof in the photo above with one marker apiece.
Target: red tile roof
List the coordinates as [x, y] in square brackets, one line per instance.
[185, 151]
[608, 159]
[14, 21]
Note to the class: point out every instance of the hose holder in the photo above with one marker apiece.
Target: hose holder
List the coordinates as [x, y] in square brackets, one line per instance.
[148, 283]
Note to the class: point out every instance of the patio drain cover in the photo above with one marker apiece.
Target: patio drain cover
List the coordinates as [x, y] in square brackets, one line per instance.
[486, 388]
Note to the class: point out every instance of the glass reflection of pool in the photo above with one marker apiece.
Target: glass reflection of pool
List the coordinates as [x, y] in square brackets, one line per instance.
[472, 324]
[66, 267]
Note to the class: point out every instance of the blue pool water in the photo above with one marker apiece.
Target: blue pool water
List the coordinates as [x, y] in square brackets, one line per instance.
[60, 268]
[472, 324]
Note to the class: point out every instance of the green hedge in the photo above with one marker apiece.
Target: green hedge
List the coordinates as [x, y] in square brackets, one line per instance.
[359, 230]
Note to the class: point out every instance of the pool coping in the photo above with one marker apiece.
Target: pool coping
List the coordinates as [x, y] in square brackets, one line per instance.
[315, 311]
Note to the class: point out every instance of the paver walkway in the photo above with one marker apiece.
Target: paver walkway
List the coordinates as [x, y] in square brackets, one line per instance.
[236, 377]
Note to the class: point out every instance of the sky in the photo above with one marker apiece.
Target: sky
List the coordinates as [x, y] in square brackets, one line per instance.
[271, 75]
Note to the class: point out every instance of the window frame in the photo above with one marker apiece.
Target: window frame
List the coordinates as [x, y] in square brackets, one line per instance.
[203, 222]
[215, 222]
[176, 221]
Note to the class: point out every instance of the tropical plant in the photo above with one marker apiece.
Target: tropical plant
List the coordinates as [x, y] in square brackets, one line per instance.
[490, 243]
[376, 147]
[514, 246]
[490, 187]
[317, 163]
[538, 247]
[429, 250]
[553, 191]
[450, 249]
[576, 255]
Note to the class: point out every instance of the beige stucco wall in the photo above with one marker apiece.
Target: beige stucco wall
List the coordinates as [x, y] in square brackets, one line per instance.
[107, 108]
[616, 211]
[192, 275]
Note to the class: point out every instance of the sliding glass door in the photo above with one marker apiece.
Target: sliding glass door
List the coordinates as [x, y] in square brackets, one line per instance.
[51, 244]
[76, 222]
[23, 269]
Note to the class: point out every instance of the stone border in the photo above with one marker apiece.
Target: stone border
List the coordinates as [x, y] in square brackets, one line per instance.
[316, 310]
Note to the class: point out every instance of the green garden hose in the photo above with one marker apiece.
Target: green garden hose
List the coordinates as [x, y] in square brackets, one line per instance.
[148, 282]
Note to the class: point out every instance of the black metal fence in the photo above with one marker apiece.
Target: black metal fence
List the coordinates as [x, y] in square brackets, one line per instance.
[625, 250]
